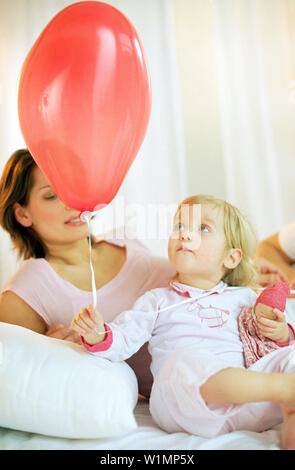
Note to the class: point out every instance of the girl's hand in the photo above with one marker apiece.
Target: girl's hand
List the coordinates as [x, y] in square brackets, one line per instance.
[276, 330]
[60, 331]
[89, 324]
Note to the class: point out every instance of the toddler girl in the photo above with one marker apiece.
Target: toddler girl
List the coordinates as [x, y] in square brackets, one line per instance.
[200, 383]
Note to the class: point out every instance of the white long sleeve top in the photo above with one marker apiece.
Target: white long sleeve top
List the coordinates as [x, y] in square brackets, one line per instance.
[178, 317]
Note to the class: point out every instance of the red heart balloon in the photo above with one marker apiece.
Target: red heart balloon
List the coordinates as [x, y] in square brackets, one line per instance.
[84, 102]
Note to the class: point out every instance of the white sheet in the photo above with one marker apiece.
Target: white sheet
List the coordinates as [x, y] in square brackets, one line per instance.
[149, 436]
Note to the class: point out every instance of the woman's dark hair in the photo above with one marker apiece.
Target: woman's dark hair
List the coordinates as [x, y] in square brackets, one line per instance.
[15, 185]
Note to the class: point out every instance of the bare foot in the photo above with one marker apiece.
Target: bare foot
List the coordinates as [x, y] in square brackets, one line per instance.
[288, 430]
[288, 410]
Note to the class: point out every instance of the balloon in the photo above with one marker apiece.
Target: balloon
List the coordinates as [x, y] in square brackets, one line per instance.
[84, 102]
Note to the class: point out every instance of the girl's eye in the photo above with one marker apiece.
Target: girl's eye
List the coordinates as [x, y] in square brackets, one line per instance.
[179, 226]
[204, 228]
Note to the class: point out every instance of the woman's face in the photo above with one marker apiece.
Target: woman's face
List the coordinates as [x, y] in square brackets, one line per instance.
[52, 220]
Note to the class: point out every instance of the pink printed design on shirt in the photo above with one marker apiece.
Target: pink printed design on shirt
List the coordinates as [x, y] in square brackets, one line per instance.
[214, 317]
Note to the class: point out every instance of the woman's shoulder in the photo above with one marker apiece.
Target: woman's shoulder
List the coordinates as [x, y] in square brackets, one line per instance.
[28, 272]
[33, 264]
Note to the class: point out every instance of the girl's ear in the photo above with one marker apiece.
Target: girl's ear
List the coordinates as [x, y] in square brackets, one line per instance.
[21, 215]
[233, 258]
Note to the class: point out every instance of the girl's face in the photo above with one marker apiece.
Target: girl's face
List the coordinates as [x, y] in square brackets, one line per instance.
[51, 219]
[197, 245]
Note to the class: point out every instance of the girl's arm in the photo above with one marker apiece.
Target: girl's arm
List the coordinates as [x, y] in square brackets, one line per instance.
[90, 325]
[237, 385]
[126, 334]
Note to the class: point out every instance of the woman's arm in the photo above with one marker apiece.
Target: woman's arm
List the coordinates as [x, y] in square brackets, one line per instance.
[271, 250]
[16, 311]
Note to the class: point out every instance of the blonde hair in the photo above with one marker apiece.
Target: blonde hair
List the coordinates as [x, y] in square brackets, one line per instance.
[239, 233]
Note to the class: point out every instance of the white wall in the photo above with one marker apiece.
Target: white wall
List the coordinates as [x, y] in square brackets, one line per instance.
[239, 125]
[198, 88]
[200, 108]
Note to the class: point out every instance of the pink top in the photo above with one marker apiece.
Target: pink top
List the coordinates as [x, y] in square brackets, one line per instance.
[58, 301]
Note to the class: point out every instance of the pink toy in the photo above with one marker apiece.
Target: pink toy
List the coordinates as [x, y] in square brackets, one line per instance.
[270, 298]
[255, 345]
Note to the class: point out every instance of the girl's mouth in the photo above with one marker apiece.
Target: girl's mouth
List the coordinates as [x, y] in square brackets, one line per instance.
[184, 248]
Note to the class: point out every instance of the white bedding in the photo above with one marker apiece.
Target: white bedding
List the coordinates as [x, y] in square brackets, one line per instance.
[148, 436]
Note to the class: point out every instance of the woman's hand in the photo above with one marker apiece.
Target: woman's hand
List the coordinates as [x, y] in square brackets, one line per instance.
[276, 330]
[269, 273]
[89, 324]
[60, 331]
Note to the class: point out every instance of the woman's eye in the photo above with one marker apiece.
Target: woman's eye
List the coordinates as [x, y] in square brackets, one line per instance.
[204, 228]
[50, 196]
[179, 226]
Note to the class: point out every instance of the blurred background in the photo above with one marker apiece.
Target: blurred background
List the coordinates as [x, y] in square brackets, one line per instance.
[223, 112]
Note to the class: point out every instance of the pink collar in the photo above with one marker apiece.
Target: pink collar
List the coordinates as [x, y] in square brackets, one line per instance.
[189, 291]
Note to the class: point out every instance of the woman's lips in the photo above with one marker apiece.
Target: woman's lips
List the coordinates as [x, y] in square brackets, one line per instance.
[75, 222]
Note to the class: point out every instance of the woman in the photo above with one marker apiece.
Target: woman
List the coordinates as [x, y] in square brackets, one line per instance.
[54, 282]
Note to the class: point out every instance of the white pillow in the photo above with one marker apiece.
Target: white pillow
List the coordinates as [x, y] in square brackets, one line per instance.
[54, 387]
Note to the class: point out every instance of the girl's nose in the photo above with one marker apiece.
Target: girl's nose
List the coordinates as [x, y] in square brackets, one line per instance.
[185, 235]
